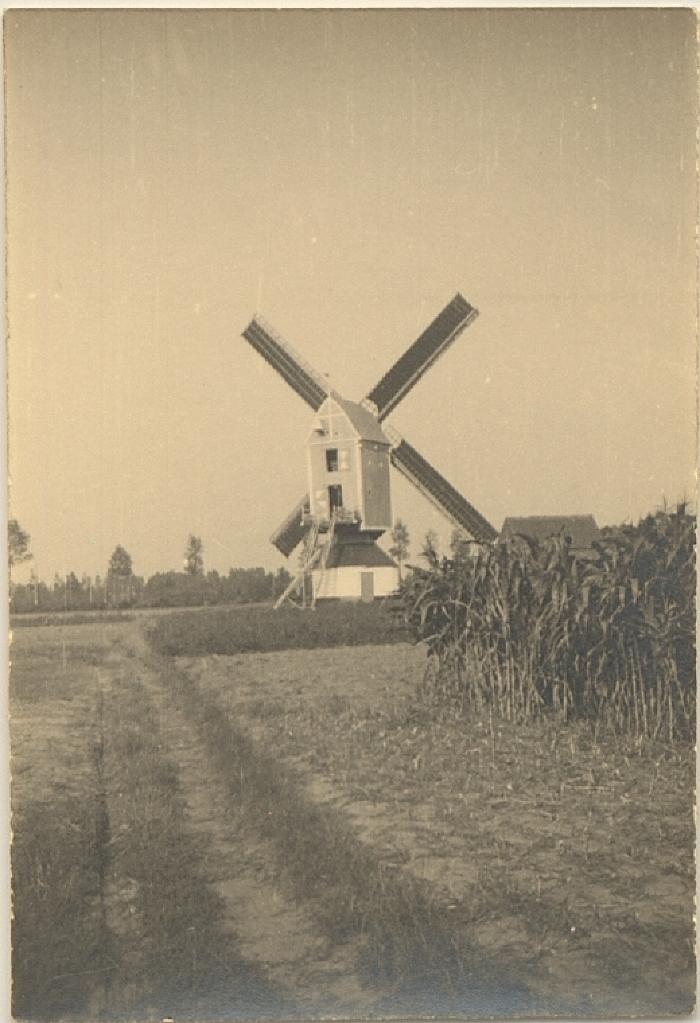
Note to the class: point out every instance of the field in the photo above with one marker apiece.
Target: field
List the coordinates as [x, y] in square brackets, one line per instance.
[256, 628]
[306, 832]
[563, 856]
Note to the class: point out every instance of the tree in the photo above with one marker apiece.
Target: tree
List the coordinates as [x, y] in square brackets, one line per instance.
[120, 577]
[17, 544]
[194, 556]
[72, 589]
[120, 564]
[431, 551]
[400, 541]
[34, 587]
[59, 593]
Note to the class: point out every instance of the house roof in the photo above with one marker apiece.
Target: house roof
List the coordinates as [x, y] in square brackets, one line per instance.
[362, 420]
[360, 554]
[581, 528]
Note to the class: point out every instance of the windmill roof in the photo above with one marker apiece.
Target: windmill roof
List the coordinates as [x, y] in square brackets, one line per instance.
[360, 554]
[366, 425]
[581, 528]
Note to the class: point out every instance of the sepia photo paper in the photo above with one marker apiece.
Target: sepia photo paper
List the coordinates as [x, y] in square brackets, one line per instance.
[351, 512]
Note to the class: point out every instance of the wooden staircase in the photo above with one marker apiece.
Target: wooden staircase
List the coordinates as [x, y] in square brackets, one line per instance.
[324, 557]
[315, 551]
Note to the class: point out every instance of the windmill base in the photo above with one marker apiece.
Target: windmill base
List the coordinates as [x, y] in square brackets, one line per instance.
[355, 569]
[357, 583]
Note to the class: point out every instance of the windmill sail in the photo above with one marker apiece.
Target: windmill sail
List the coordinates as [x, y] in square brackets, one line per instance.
[434, 340]
[441, 493]
[293, 530]
[290, 366]
[393, 386]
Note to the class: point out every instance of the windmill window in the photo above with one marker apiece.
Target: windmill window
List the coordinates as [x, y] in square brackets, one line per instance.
[332, 459]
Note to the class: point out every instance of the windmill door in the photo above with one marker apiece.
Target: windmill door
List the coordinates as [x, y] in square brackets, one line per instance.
[335, 497]
[367, 586]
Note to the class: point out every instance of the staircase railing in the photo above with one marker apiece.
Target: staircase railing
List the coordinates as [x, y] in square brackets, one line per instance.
[324, 558]
[315, 552]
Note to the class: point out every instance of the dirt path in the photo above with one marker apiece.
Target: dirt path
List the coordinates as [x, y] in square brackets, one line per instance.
[271, 930]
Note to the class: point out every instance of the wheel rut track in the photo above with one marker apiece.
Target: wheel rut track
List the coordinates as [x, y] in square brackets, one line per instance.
[311, 975]
[177, 951]
[389, 940]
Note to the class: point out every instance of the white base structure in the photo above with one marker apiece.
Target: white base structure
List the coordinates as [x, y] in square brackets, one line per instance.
[354, 568]
[355, 582]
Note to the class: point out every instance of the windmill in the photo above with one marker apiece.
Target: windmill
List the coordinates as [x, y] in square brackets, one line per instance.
[349, 452]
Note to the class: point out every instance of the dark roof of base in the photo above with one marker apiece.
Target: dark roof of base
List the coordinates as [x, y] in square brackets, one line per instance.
[358, 554]
[581, 528]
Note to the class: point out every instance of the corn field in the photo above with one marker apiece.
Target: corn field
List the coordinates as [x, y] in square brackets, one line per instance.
[524, 628]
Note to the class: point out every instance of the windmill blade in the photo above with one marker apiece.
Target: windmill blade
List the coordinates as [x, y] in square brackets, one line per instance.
[439, 492]
[293, 530]
[309, 384]
[406, 373]
[312, 387]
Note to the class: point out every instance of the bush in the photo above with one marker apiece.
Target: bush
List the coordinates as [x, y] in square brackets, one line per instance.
[525, 627]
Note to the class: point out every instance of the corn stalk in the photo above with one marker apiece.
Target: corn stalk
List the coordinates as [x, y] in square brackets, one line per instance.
[526, 628]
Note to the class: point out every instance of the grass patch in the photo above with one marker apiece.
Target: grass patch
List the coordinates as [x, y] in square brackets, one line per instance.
[61, 953]
[31, 620]
[62, 949]
[246, 629]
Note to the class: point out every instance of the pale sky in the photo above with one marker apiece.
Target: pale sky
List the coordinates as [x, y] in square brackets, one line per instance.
[343, 173]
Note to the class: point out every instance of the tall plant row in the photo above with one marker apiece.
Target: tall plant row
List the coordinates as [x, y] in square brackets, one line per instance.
[524, 628]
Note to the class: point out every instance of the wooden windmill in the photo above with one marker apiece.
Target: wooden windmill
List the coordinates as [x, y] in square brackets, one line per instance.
[349, 453]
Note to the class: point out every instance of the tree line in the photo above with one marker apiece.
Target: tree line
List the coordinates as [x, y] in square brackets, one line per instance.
[121, 587]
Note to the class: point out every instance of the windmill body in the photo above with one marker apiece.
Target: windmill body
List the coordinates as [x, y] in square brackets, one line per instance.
[348, 465]
[349, 454]
[348, 457]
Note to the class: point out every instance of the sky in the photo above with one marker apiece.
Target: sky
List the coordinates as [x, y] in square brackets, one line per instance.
[343, 173]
